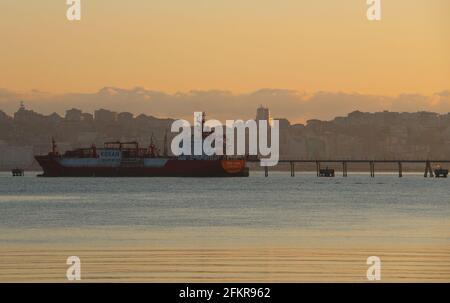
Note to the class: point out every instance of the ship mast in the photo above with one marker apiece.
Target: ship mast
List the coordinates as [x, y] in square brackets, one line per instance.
[204, 134]
[152, 147]
[94, 150]
[54, 147]
[165, 153]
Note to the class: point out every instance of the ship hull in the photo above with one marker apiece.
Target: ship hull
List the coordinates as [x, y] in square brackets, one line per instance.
[54, 167]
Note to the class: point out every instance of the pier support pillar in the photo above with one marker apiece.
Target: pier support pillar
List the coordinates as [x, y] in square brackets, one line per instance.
[428, 170]
[292, 169]
[372, 169]
[400, 170]
[318, 168]
[266, 171]
[344, 169]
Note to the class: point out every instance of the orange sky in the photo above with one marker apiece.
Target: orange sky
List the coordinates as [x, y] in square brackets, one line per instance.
[236, 45]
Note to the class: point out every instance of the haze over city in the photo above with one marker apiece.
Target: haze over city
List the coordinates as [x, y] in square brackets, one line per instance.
[294, 105]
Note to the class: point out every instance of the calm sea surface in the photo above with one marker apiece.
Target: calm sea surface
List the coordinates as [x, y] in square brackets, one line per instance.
[244, 229]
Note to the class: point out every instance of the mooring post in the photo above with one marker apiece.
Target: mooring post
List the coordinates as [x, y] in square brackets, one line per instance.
[400, 169]
[344, 169]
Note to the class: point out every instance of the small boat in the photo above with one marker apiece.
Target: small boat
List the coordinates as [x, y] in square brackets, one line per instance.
[17, 172]
[441, 173]
[326, 173]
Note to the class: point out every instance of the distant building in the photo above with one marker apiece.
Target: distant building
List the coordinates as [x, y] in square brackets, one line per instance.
[55, 118]
[86, 117]
[263, 113]
[125, 117]
[143, 119]
[26, 116]
[284, 123]
[73, 115]
[284, 136]
[314, 124]
[4, 117]
[105, 116]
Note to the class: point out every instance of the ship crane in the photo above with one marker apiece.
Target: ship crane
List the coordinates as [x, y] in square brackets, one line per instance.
[54, 147]
[165, 153]
[153, 149]
[94, 150]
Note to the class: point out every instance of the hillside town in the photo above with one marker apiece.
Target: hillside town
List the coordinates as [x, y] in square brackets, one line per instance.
[359, 135]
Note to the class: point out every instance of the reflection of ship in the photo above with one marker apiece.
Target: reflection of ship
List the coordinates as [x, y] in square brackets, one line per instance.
[127, 159]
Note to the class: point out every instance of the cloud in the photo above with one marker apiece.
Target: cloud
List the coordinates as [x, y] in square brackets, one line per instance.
[294, 105]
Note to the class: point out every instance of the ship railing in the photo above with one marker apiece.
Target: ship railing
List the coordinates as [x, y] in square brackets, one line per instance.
[132, 162]
[215, 157]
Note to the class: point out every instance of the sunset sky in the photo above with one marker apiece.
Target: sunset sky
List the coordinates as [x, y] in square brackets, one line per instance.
[234, 45]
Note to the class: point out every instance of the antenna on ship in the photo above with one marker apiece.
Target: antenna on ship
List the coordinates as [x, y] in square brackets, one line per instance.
[54, 147]
[152, 147]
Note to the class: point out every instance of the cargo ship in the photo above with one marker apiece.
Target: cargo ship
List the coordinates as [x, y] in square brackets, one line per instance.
[128, 159]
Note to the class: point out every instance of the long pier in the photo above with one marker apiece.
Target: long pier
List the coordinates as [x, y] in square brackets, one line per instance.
[428, 172]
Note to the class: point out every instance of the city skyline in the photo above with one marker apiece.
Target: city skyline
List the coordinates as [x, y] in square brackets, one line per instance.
[296, 106]
[106, 114]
